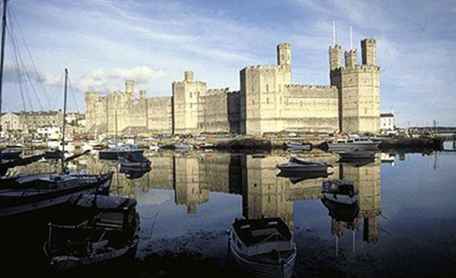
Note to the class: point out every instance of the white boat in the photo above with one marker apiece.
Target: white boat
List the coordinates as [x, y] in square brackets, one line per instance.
[351, 144]
[96, 229]
[339, 191]
[263, 247]
[298, 165]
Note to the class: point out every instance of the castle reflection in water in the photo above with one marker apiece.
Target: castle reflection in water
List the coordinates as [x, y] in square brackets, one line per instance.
[264, 194]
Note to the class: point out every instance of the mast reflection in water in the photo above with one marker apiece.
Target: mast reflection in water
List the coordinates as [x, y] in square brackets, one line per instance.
[187, 202]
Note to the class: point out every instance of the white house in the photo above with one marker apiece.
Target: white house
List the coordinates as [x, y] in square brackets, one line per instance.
[387, 124]
[49, 132]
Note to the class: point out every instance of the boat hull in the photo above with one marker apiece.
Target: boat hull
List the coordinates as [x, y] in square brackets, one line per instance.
[64, 263]
[27, 204]
[299, 147]
[266, 270]
[115, 155]
[356, 155]
[293, 169]
[10, 154]
[343, 147]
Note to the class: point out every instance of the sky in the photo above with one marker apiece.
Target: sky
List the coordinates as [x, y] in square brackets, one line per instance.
[102, 43]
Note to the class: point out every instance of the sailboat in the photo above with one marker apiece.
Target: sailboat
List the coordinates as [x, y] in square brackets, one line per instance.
[24, 194]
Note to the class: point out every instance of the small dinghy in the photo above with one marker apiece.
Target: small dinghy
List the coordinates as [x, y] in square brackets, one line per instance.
[298, 165]
[263, 247]
[95, 229]
[339, 191]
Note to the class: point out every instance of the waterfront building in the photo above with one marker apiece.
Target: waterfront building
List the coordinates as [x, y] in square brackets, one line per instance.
[387, 123]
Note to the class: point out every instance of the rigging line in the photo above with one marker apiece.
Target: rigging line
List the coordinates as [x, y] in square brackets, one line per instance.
[17, 69]
[74, 97]
[32, 61]
[25, 70]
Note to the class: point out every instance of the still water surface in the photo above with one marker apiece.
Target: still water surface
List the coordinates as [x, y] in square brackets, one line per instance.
[405, 226]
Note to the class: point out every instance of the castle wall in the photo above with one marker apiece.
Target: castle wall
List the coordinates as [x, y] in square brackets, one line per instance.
[159, 114]
[123, 112]
[311, 108]
[215, 113]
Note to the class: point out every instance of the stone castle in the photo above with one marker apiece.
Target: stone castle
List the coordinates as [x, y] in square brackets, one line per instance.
[268, 102]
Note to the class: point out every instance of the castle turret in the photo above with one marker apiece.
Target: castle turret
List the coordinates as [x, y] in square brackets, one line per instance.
[188, 76]
[350, 58]
[335, 55]
[369, 51]
[129, 86]
[284, 54]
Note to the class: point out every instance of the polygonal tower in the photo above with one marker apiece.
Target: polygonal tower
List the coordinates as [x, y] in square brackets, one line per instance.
[369, 51]
[284, 54]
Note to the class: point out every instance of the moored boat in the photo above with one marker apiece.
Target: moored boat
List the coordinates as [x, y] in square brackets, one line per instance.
[263, 247]
[24, 194]
[114, 153]
[352, 143]
[134, 161]
[339, 191]
[10, 152]
[96, 229]
[298, 165]
[356, 154]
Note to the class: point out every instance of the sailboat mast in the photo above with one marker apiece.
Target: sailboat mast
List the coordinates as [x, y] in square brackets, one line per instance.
[64, 113]
[2, 56]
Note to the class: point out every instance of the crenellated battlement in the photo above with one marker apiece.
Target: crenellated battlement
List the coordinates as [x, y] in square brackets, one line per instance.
[217, 91]
[310, 86]
[262, 67]
[361, 68]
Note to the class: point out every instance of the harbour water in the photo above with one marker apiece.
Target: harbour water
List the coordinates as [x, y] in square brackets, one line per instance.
[405, 226]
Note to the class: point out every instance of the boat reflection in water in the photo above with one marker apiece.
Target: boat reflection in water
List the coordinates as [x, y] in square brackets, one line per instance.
[201, 181]
[95, 229]
[263, 247]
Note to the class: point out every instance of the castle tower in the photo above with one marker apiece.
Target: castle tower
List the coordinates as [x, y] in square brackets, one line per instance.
[92, 113]
[188, 76]
[350, 58]
[262, 94]
[129, 86]
[284, 54]
[186, 104]
[369, 51]
[359, 91]
[335, 55]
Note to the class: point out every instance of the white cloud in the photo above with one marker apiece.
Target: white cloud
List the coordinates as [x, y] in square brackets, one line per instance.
[102, 79]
